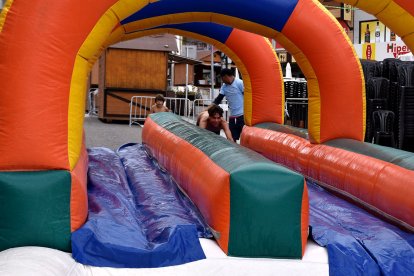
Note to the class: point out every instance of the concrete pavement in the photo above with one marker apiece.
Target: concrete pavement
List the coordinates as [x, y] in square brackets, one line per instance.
[110, 135]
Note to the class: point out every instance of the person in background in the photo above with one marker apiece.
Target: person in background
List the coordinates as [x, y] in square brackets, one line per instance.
[159, 105]
[233, 90]
[212, 120]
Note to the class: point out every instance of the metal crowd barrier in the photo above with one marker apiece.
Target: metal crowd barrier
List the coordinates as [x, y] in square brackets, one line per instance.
[296, 109]
[200, 105]
[92, 108]
[140, 107]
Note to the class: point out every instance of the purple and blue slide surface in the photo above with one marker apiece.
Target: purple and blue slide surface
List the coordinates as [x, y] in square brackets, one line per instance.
[358, 242]
[138, 217]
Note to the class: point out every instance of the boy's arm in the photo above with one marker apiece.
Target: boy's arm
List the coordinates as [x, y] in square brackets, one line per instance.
[226, 129]
[152, 110]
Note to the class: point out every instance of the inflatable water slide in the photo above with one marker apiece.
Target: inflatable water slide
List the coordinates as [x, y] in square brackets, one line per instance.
[251, 206]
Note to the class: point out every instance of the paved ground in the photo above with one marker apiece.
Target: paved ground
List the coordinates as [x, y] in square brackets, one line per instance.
[110, 135]
[113, 135]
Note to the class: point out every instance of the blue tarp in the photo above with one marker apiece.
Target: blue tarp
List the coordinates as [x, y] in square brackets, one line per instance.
[137, 216]
[358, 243]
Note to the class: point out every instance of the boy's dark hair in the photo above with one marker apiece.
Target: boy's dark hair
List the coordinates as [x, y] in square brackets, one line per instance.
[159, 97]
[226, 72]
[215, 109]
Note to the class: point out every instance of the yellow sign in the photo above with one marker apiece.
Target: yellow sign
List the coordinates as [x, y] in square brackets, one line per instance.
[368, 51]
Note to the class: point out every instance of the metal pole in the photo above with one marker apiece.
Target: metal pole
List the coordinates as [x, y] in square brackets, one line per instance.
[186, 83]
[172, 73]
[274, 44]
[212, 72]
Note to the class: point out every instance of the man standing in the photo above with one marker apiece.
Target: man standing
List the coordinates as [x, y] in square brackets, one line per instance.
[233, 90]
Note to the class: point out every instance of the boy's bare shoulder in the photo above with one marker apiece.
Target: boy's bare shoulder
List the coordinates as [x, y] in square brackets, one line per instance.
[203, 115]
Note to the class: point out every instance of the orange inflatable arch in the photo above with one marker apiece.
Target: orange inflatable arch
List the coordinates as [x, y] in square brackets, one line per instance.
[47, 49]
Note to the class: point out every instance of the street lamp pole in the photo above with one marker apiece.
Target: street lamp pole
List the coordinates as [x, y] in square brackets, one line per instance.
[212, 78]
[186, 83]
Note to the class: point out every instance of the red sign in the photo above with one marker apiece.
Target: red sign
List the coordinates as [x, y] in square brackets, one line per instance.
[397, 50]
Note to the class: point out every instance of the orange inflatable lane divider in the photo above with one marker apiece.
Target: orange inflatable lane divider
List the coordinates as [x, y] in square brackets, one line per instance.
[210, 184]
[380, 186]
[243, 196]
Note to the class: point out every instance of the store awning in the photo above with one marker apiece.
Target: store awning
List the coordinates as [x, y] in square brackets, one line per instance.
[182, 59]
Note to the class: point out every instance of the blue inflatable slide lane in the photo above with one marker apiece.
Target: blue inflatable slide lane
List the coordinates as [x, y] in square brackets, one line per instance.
[137, 216]
[358, 243]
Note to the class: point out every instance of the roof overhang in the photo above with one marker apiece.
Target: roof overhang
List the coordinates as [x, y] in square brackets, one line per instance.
[182, 59]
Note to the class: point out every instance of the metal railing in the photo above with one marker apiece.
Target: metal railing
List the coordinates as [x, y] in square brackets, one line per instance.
[92, 109]
[140, 107]
[200, 105]
[296, 109]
